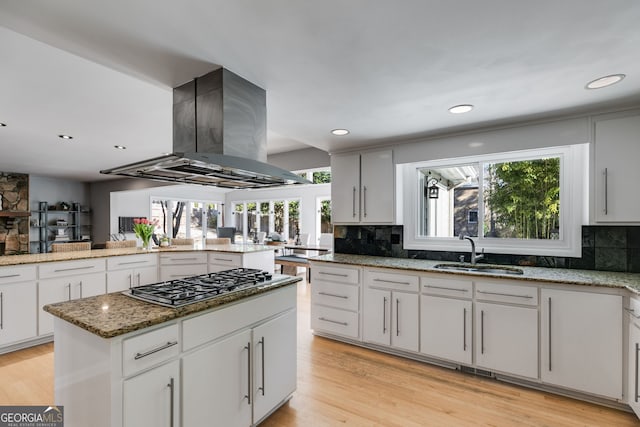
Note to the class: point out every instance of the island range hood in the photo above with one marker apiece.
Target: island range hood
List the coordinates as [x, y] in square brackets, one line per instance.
[219, 138]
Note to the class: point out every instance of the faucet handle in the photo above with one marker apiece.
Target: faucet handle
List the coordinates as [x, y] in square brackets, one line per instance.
[461, 258]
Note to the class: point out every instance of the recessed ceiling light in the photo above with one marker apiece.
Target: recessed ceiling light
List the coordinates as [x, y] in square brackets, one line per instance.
[65, 136]
[605, 81]
[120, 147]
[340, 132]
[462, 108]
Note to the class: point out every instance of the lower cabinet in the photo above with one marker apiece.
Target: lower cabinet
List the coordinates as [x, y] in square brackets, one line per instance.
[633, 383]
[507, 339]
[152, 399]
[581, 341]
[390, 315]
[241, 378]
[445, 328]
[17, 312]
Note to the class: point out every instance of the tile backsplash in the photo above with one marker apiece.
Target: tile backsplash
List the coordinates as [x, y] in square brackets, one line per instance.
[609, 248]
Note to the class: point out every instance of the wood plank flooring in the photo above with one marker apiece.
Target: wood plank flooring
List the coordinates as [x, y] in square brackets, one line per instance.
[340, 384]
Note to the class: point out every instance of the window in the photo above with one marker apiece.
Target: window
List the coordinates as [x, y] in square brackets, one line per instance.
[273, 216]
[526, 202]
[316, 176]
[186, 218]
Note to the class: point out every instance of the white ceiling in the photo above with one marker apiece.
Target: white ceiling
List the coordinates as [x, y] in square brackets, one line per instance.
[102, 71]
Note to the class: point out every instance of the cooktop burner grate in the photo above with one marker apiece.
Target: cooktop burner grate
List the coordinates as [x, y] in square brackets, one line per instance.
[176, 293]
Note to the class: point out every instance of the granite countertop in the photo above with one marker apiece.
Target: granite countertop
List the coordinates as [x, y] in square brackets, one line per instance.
[101, 253]
[116, 314]
[630, 281]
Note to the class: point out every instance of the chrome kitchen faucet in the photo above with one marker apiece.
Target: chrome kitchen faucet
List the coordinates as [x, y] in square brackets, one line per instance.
[474, 257]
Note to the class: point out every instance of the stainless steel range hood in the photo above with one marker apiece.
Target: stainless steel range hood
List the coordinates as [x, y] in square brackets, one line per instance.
[219, 138]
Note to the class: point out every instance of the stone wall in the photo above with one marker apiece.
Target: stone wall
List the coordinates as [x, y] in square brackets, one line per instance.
[14, 196]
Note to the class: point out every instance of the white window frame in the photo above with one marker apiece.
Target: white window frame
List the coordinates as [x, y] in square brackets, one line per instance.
[573, 209]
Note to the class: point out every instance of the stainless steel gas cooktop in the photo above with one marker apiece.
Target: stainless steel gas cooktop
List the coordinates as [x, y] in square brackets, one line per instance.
[180, 292]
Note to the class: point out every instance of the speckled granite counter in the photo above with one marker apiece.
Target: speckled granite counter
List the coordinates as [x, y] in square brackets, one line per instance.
[629, 281]
[116, 314]
[102, 253]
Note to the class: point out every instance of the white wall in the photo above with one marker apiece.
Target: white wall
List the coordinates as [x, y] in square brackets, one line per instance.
[138, 202]
[307, 194]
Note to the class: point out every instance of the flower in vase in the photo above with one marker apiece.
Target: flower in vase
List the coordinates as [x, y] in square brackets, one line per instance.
[144, 229]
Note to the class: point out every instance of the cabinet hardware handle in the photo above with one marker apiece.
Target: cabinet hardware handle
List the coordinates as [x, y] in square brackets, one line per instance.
[333, 274]
[464, 329]
[261, 342]
[332, 321]
[9, 275]
[636, 389]
[222, 259]
[80, 286]
[69, 291]
[391, 281]
[384, 315]
[133, 262]
[364, 200]
[504, 295]
[606, 185]
[549, 334]
[446, 289]
[74, 268]
[630, 311]
[248, 395]
[354, 201]
[481, 331]
[155, 350]
[130, 281]
[333, 295]
[138, 279]
[183, 259]
[397, 317]
[171, 397]
[2, 311]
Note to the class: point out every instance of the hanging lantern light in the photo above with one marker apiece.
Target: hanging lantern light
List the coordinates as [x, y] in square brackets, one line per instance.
[433, 190]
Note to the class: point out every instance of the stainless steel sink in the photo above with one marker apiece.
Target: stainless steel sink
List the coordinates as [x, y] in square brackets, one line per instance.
[480, 268]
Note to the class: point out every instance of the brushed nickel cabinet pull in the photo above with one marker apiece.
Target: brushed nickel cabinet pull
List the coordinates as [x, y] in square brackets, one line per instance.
[397, 317]
[1, 310]
[9, 275]
[333, 295]
[354, 201]
[391, 281]
[261, 342]
[364, 200]
[69, 292]
[445, 288]
[74, 268]
[130, 281]
[248, 395]
[549, 334]
[324, 319]
[630, 311]
[222, 259]
[138, 275]
[155, 350]
[481, 331]
[132, 262]
[504, 295]
[384, 315]
[333, 274]
[171, 397]
[636, 378]
[606, 191]
[80, 286]
[464, 329]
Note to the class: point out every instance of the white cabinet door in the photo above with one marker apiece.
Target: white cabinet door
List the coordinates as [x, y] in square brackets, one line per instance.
[274, 363]
[617, 150]
[376, 187]
[507, 339]
[445, 328]
[121, 280]
[145, 275]
[152, 399]
[345, 188]
[17, 312]
[634, 367]
[376, 318]
[581, 341]
[217, 383]
[405, 320]
[66, 289]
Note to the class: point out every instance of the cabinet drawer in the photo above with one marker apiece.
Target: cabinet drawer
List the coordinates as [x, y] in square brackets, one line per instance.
[446, 287]
[336, 295]
[171, 272]
[335, 274]
[131, 261]
[226, 259]
[335, 321]
[392, 281]
[183, 258]
[149, 349]
[69, 268]
[210, 326]
[499, 292]
[16, 274]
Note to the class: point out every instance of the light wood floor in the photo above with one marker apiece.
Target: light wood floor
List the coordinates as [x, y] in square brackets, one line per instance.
[340, 384]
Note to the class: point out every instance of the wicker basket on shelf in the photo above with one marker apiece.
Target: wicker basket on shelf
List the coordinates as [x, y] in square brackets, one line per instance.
[120, 244]
[70, 247]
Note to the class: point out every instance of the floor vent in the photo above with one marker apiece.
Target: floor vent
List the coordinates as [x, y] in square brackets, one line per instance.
[476, 371]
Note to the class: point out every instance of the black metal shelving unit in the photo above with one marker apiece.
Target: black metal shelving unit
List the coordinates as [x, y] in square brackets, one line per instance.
[47, 232]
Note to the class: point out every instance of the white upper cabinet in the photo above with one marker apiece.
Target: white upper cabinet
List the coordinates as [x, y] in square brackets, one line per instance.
[362, 187]
[616, 173]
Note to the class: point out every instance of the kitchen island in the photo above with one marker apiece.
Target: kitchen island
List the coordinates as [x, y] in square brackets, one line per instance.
[121, 362]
